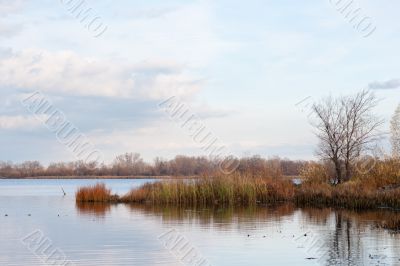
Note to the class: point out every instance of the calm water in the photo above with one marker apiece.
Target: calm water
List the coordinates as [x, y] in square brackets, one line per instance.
[130, 235]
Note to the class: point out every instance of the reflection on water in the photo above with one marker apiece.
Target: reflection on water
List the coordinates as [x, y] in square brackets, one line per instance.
[345, 234]
[118, 234]
[217, 216]
[345, 237]
[96, 209]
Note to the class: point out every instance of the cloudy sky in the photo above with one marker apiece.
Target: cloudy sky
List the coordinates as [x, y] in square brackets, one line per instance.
[249, 69]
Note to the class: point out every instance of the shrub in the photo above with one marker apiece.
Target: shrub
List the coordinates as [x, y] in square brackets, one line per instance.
[95, 193]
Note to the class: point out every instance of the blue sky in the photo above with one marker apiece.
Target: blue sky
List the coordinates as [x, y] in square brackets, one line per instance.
[240, 65]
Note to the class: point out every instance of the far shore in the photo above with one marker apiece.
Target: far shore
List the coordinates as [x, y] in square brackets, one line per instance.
[100, 177]
[125, 177]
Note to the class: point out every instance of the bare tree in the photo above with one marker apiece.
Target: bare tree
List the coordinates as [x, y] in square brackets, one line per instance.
[395, 130]
[346, 127]
[129, 164]
[330, 132]
[30, 168]
[360, 127]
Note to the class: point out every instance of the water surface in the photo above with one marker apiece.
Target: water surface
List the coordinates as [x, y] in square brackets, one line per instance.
[130, 234]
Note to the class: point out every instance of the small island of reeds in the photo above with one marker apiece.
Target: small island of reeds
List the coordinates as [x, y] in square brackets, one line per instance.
[379, 188]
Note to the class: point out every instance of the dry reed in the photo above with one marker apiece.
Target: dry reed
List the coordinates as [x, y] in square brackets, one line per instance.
[95, 193]
[379, 188]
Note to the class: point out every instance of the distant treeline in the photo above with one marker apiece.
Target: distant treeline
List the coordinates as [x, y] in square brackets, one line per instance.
[131, 164]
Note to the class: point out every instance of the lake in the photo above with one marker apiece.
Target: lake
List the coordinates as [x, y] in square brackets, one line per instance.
[41, 226]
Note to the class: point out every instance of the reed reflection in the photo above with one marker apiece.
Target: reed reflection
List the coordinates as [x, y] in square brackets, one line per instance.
[217, 215]
[349, 237]
[94, 209]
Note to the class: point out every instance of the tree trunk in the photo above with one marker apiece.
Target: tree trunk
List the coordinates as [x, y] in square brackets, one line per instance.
[348, 170]
[338, 170]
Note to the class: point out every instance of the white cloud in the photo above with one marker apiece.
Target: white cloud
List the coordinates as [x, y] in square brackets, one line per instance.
[164, 139]
[7, 6]
[385, 85]
[21, 122]
[68, 73]
[7, 30]
[187, 33]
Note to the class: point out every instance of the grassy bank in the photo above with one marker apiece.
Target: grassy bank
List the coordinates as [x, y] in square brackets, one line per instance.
[227, 190]
[243, 191]
[96, 177]
[349, 195]
[379, 188]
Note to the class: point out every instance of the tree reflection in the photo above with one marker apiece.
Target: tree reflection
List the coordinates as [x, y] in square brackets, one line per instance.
[347, 237]
[346, 243]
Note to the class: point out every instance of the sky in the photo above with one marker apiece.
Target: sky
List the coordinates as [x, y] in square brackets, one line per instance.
[249, 69]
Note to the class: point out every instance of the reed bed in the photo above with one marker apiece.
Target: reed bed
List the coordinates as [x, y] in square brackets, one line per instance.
[379, 188]
[225, 190]
[246, 192]
[95, 193]
[348, 195]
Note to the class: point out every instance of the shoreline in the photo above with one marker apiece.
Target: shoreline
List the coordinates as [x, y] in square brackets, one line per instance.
[248, 191]
[118, 201]
[95, 177]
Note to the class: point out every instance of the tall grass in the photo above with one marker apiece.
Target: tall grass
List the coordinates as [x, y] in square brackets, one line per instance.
[95, 193]
[225, 190]
[352, 195]
[379, 188]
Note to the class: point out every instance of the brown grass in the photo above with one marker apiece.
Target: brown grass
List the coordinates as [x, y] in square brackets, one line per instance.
[224, 190]
[95, 193]
[380, 187]
[352, 195]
